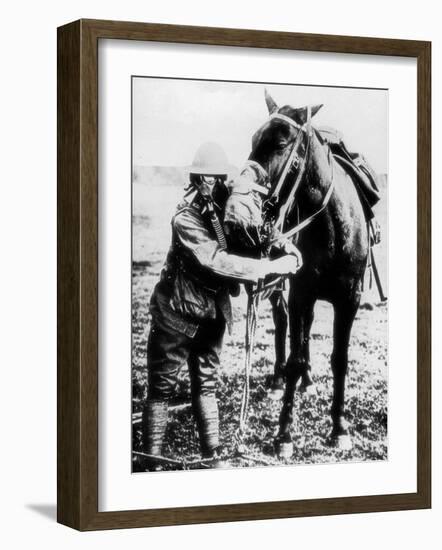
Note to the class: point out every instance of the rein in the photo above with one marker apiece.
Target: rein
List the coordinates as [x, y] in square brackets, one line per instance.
[298, 227]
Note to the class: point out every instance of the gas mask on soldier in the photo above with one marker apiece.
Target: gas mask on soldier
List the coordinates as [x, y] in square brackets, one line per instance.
[213, 189]
[208, 174]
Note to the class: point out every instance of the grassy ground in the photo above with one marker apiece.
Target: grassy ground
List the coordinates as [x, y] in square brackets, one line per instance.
[366, 389]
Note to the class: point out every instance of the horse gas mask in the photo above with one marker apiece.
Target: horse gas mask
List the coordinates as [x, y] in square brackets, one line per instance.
[243, 215]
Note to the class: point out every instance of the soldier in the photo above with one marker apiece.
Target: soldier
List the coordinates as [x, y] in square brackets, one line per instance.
[190, 305]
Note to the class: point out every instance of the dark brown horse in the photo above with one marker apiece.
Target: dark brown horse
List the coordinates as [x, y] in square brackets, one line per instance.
[310, 201]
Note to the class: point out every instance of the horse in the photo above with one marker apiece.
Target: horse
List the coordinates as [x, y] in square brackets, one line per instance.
[309, 200]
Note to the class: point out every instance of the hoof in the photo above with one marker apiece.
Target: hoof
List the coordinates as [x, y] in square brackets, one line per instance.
[309, 390]
[342, 442]
[276, 390]
[275, 394]
[284, 449]
[344, 424]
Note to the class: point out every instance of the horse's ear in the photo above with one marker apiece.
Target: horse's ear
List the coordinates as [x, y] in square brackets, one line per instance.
[271, 104]
[315, 108]
[300, 115]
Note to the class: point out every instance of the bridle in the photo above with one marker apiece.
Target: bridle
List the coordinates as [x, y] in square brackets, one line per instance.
[294, 164]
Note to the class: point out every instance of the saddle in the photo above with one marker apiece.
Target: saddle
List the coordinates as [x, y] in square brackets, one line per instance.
[362, 174]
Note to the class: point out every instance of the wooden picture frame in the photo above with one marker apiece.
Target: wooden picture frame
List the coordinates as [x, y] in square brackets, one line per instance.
[78, 273]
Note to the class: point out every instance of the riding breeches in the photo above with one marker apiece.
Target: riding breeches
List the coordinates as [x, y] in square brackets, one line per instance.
[169, 350]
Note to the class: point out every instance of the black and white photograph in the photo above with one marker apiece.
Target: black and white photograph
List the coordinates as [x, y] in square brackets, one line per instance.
[259, 274]
[219, 264]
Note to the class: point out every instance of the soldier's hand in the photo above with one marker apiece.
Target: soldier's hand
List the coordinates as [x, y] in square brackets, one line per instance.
[290, 248]
[286, 265]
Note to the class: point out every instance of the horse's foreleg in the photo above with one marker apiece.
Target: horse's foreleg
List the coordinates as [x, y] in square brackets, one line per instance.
[300, 309]
[280, 320]
[343, 322]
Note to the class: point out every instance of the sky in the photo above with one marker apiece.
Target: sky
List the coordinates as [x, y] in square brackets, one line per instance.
[172, 117]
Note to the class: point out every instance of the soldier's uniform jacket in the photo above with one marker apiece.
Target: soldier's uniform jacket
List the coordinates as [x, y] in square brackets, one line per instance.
[198, 274]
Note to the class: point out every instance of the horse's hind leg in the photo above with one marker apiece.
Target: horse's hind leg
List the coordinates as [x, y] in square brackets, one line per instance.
[280, 320]
[307, 385]
[343, 321]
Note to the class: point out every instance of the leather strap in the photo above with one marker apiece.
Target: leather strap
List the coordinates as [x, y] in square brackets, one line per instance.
[288, 120]
[288, 165]
[290, 199]
[291, 232]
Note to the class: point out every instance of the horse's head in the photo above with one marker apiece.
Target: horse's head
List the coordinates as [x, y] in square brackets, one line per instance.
[278, 148]
[273, 142]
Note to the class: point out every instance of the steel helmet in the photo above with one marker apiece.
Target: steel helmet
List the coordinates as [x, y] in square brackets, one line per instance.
[210, 160]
